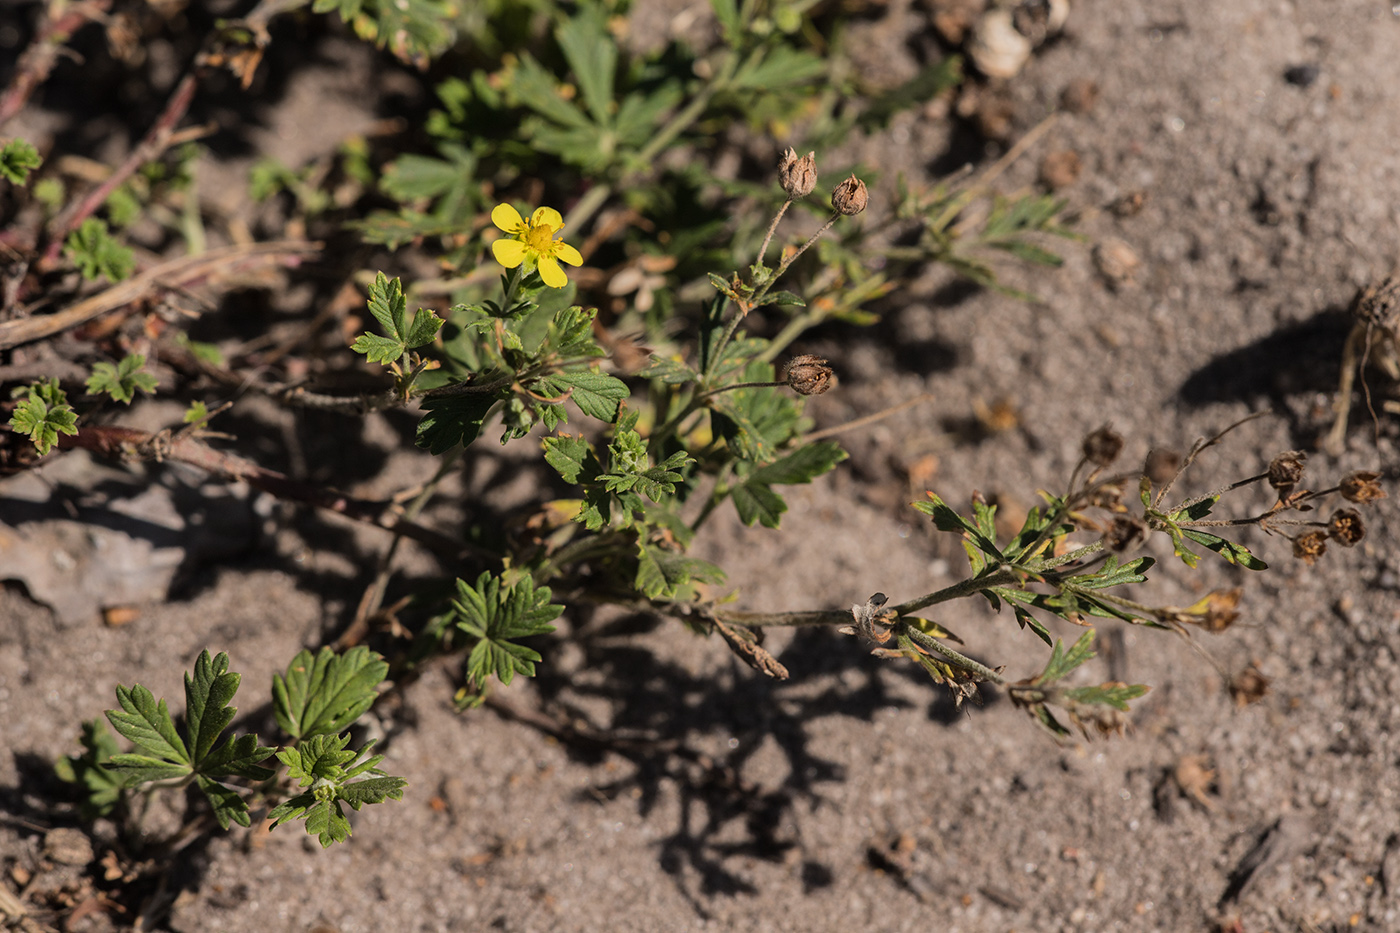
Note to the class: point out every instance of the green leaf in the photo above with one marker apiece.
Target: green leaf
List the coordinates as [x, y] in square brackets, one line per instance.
[386, 303]
[43, 415]
[493, 615]
[669, 371]
[572, 457]
[945, 519]
[1063, 662]
[322, 764]
[755, 499]
[414, 30]
[1025, 619]
[17, 159]
[96, 254]
[122, 381]
[101, 786]
[781, 299]
[757, 502]
[592, 54]
[454, 419]
[597, 395]
[324, 695]
[1232, 552]
[148, 725]
[1111, 574]
[1114, 695]
[783, 66]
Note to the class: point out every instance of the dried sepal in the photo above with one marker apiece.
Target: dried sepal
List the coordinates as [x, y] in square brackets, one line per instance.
[1309, 547]
[1286, 470]
[1103, 446]
[1346, 527]
[809, 375]
[850, 196]
[797, 176]
[1360, 486]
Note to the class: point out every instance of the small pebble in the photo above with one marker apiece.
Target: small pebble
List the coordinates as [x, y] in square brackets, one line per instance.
[1302, 75]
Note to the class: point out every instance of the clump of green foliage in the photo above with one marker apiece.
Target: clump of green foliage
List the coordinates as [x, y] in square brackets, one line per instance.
[710, 416]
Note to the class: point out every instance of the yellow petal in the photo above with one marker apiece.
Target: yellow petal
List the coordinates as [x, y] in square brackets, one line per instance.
[507, 218]
[567, 253]
[509, 253]
[546, 215]
[553, 276]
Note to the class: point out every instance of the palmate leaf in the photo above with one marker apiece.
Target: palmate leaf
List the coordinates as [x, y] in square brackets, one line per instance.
[166, 754]
[43, 415]
[755, 499]
[325, 694]
[492, 615]
[661, 574]
[123, 380]
[454, 419]
[101, 785]
[324, 766]
[414, 30]
[386, 303]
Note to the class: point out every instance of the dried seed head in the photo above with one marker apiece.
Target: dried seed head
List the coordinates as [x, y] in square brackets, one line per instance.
[1161, 465]
[1361, 486]
[797, 176]
[1378, 305]
[1248, 686]
[850, 196]
[1103, 446]
[1220, 609]
[1124, 532]
[809, 375]
[1108, 496]
[1309, 547]
[1286, 469]
[1346, 527]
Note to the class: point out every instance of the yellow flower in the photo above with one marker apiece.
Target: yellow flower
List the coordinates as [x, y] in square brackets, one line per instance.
[533, 243]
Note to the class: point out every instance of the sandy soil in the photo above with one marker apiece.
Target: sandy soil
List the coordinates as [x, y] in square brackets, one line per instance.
[854, 796]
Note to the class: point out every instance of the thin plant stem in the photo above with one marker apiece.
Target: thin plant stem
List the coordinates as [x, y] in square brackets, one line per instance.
[768, 238]
[929, 643]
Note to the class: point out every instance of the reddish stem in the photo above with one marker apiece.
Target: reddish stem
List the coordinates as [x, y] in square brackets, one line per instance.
[38, 59]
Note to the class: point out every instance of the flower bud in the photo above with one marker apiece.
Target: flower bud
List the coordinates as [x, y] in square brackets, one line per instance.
[1346, 527]
[809, 375]
[1361, 486]
[850, 196]
[1103, 446]
[797, 176]
[1286, 469]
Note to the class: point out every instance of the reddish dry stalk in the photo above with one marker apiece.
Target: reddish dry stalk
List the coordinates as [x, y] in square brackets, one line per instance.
[177, 273]
[157, 138]
[133, 445]
[38, 60]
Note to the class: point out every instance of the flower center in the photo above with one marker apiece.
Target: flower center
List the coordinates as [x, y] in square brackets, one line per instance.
[540, 239]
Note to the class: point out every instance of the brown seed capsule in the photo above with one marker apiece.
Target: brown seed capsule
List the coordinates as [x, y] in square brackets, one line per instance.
[1124, 532]
[809, 375]
[1346, 527]
[1248, 686]
[1221, 611]
[1286, 469]
[1361, 486]
[1161, 465]
[850, 196]
[797, 176]
[1309, 547]
[1103, 446]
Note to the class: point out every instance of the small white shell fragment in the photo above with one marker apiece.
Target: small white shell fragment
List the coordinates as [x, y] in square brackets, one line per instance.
[996, 47]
